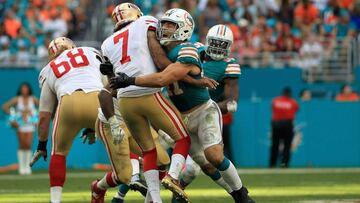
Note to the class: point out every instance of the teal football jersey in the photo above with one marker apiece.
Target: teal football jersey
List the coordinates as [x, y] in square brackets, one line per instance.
[183, 95]
[220, 70]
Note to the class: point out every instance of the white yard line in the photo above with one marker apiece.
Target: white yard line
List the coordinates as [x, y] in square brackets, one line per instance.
[331, 201]
[99, 174]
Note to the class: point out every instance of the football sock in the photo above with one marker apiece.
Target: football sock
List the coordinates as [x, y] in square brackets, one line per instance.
[57, 173]
[107, 181]
[229, 174]
[216, 177]
[151, 174]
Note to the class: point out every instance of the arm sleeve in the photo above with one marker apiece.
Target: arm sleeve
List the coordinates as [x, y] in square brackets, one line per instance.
[232, 69]
[47, 99]
[150, 22]
[42, 76]
[189, 55]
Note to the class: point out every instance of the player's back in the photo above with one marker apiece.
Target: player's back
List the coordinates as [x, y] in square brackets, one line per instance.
[128, 51]
[72, 70]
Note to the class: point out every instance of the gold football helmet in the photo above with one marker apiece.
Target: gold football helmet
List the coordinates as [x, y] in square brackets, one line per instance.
[58, 45]
[124, 13]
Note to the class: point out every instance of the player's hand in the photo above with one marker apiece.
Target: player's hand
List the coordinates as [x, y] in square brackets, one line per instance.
[231, 106]
[106, 68]
[116, 131]
[40, 152]
[88, 134]
[121, 80]
[209, 83]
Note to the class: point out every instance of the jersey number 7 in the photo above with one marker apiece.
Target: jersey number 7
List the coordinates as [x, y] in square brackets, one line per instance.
[63, 67]
[125, 38]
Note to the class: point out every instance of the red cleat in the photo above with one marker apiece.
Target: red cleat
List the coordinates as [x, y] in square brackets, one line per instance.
[97, 194]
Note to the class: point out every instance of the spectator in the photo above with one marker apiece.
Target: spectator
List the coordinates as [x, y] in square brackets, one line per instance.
[285, 14]
[247, 10]
[355, 16]
[311, 54]
[305, 95]
[347, 95]
[5, 56]
[210, 16]
[306, 15]
[56, 25]
[22, 111]
[284, 109]
[23, 55]
[265, 6]
[11, 24]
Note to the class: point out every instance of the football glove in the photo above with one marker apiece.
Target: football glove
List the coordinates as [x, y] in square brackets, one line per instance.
[116, 131]
[106, 68]
[40, 152]
[231, 106]
[121, 81]
[88, 134]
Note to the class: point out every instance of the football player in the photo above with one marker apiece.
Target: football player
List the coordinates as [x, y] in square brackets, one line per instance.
[73, 80]
[201, 115]
[218, 66]
[125, 165]
[128, 51]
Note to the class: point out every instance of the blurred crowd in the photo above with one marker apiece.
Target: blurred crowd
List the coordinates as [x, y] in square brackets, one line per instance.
[309, 29]
[27, 27]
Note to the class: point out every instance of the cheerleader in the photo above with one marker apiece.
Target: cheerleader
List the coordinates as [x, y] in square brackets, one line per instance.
[23, 118]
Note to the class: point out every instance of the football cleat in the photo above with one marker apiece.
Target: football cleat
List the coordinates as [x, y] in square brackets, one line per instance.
[140, 186]
[117, 200]
[174, 186]
[97, 194]
[241, 196]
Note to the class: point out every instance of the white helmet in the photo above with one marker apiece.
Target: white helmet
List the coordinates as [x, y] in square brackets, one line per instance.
[218, 42]
[184, 26]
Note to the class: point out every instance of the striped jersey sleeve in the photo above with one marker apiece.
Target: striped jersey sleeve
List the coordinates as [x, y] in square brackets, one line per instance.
[189, 55]
[150, 22]
[232, 69]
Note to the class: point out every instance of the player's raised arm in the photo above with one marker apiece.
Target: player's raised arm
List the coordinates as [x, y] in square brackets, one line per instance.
[158, 54]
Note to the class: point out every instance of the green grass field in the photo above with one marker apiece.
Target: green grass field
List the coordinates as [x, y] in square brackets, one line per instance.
[291, 185]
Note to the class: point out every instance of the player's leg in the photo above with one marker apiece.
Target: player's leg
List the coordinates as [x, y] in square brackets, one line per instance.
[189, 172]
[64, 130]
[164, 116]
[132, 110]
[209, 132]
[119, 159]
[74, 112]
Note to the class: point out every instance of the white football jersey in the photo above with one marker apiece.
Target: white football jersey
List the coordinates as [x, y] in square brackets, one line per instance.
[127, 49]
[116, 112]
[73, 69]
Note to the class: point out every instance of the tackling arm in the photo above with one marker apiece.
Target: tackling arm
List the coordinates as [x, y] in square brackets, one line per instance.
[231, 95]
[172, 73]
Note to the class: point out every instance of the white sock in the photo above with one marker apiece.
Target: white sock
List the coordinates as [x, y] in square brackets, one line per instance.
[153, 183]
[221, 182]
[190, 172]
[55, 194]
[135, 166]
[102, 184]
[231, 177]
[148, 198]
[28, 154]
[177, 163]
[135, 177]
[21, 161]
[119, 195]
